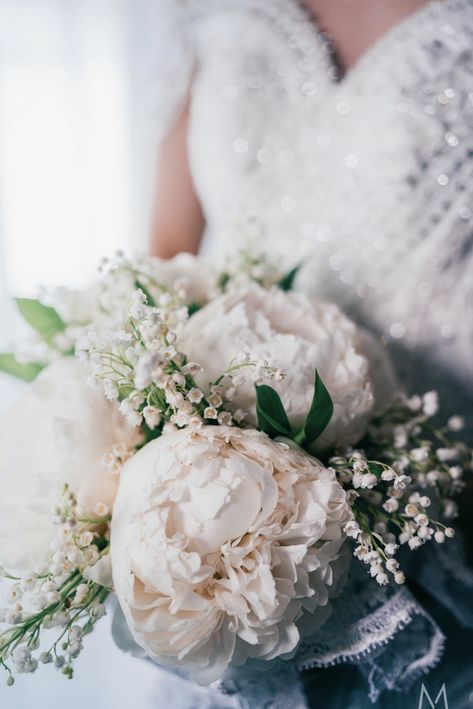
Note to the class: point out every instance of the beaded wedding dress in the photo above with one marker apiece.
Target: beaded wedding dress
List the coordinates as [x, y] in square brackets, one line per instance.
[366, 180]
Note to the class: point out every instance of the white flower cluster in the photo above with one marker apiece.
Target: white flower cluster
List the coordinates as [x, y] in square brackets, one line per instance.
[60, 431]
[421, 470]
[140, 365]
[101, 306]
[249, 261]
[225, 545]
[59, 593]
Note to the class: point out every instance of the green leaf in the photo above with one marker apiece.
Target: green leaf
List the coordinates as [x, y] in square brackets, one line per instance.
[223, 280]
[150, 300]
[320, 412]
[376, 468]
[193, 308]
[272, 417]
[10, 365]
[124, 391]
[45, 320]
[287, 281]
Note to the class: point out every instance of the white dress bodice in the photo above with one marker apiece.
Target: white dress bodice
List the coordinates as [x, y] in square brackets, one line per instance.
[366, 179]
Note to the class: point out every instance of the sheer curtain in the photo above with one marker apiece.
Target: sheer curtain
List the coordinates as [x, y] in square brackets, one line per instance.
[77, 140]
[76, 136]
[77, 147]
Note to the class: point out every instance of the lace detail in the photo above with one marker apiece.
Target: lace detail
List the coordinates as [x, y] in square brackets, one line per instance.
[382, 630]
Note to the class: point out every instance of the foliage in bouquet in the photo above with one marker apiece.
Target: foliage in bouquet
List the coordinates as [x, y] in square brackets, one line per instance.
[393, 473]
[60, 592]
[59, 318]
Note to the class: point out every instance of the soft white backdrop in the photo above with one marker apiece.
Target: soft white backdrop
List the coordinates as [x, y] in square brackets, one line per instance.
[77, 146]
[76, 131]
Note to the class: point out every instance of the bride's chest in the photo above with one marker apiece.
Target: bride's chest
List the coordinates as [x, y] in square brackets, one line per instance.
[271, 130]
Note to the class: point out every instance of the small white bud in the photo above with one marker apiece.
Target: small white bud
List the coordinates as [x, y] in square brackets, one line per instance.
[455, 472]
[445, 454]
[13, 617]
[390, 549]
[215, 400]
[414, 543]
[430, 403]
[382, 579]
[225, 418]
[101, 509]
[210, 413]
[98, 610]
[21, 655]
[388, 475]
[195, 396]
[85, 539]
[74, 649]
[53, 597]
[195, 422]
[391, 505]
[411, 510]
[425, 532]
[419, 455]
[61, 619]
[57, 569]
[455, 423]
[414, 403]
[75, 633]
[239, 416]
[82, 589]
[152, 416]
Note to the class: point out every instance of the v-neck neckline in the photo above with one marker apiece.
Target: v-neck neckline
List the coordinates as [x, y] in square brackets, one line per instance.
[403, 28]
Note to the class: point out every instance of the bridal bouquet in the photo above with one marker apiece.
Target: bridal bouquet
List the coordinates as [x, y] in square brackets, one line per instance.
[213, 448]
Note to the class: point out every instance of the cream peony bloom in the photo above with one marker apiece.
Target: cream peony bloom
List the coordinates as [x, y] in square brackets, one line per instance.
[225, 545]
[295, 334]
[58, 432]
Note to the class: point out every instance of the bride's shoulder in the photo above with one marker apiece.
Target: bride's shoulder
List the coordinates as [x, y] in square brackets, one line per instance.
[276, 28]
[275, 12]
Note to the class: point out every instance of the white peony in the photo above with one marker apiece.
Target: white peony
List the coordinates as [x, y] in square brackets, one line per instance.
[297, 335]
[225, 545]
[58, 432]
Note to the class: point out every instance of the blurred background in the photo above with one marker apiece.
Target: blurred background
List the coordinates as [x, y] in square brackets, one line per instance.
[77, 151]
[76, 138]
